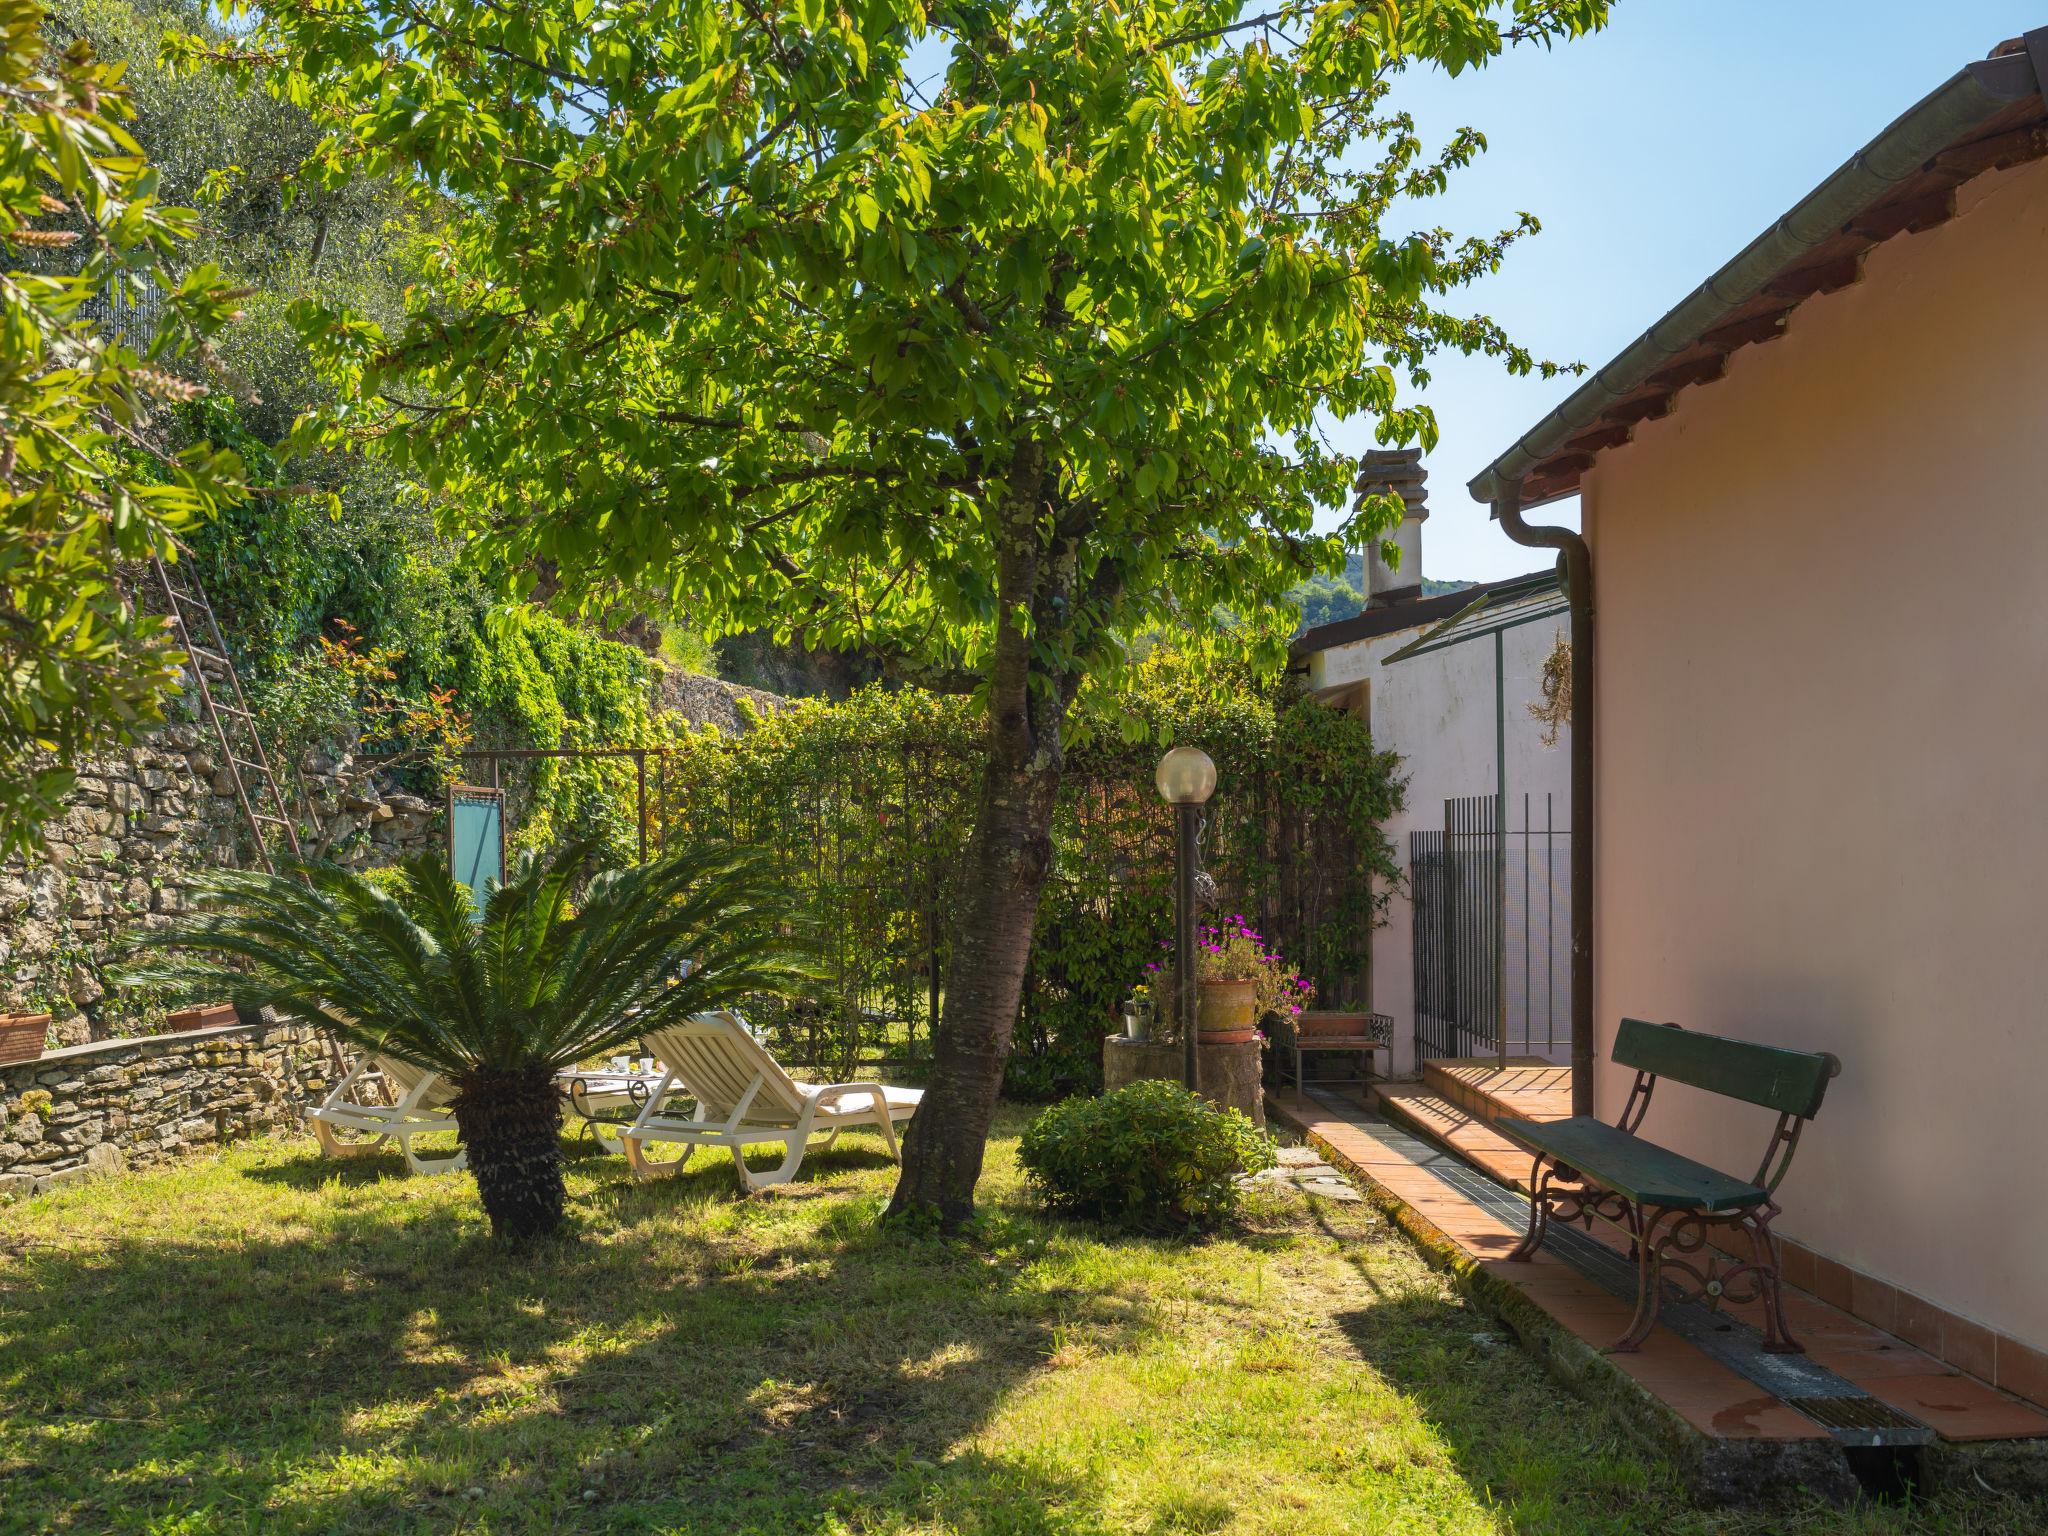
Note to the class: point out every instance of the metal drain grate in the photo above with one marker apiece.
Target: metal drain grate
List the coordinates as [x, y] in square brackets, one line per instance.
[1864, 1421]
[1797, 1380]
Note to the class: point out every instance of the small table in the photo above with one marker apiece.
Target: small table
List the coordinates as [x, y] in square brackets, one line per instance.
[607, 1099]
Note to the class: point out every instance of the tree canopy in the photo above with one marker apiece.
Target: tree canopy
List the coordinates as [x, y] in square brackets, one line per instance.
[777, 300]
[979, 338]
[92, 319]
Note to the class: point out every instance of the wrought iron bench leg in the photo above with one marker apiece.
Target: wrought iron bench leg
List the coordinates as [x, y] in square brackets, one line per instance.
[1539, 1212]
[1764, 1265]
[1649, 1253]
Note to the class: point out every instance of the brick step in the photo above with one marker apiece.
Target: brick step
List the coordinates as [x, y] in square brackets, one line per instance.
[1528, 1087]
[1455, 1128]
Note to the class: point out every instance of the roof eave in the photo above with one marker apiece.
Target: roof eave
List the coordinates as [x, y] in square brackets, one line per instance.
[1969, 100]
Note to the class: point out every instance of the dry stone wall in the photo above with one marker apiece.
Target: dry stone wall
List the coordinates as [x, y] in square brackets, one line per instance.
[142, 822]
[139, 825]
[703, 700]
[92, 1109]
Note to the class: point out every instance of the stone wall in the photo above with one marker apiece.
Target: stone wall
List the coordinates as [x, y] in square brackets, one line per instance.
[99, 1108]
[142, 822]
[139, 824]
[705, 700]
[1227, 1075]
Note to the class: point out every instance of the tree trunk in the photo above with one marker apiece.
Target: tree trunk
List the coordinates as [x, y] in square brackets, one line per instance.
[1009, 854]
[1007, 862]
[511, 1127]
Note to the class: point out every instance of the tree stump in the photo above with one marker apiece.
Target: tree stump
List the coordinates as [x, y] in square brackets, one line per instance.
[1229, 1075]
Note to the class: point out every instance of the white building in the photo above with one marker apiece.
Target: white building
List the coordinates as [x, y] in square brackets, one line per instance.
[1448, 682]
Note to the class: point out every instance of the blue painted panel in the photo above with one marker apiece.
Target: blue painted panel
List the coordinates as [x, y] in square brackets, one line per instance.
[476, 841]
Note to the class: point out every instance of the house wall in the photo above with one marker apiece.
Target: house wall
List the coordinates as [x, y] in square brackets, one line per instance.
[1438, 712]
[1820, 749]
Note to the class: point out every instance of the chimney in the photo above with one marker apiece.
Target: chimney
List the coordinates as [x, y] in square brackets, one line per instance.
[1396, 472]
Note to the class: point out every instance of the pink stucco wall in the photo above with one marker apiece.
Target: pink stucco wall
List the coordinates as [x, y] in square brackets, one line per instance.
[1822, 750]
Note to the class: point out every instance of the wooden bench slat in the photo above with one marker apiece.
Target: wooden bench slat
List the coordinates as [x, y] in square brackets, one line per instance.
[1790, 1081]
[1645, 1172]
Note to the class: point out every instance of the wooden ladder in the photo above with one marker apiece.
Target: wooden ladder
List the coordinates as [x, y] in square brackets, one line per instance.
[234, 724]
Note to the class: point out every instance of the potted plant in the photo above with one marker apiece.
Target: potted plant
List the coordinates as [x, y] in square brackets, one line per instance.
[1239, 980]
[203, 1016]
[1138, 1014]
[21, 1036]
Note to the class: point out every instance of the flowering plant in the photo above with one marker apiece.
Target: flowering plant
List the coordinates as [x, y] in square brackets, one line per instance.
[1233, 950]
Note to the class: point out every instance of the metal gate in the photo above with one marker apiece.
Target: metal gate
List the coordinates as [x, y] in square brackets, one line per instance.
[1492, 936]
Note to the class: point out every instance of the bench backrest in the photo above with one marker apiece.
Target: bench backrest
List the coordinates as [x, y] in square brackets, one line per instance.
[1789, 1081]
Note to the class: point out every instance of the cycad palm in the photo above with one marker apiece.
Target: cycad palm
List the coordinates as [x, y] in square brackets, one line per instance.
[499, 1004]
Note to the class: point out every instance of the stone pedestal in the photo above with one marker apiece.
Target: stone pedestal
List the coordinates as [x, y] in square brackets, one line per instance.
[1228, 1075]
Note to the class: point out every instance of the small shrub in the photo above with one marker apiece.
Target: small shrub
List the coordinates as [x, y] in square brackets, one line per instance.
[1151, 1156]
[391, 879]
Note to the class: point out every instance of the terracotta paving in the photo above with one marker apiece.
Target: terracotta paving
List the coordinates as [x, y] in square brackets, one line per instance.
[1709, 1395]
[1528, 1087]
[1430, 1114]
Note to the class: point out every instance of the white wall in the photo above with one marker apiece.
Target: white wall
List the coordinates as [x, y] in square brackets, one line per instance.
[1438, 711]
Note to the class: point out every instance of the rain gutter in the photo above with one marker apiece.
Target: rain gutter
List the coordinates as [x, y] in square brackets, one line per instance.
[1575, 562]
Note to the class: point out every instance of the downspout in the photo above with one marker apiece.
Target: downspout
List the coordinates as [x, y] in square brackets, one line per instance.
[1576, 559]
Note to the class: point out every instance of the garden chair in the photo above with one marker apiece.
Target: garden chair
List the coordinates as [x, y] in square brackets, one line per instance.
[422, 1109]
[743, 1098]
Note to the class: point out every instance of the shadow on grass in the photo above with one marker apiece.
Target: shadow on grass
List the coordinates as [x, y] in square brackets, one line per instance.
[376, 1363]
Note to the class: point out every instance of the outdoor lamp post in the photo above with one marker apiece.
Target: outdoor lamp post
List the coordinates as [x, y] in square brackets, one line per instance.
[1186, 780]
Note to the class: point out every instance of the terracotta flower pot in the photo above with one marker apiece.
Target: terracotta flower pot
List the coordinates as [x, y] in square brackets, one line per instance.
[1328, 1021]
[1225, 1011]
[21, 1036]
[204, 1016]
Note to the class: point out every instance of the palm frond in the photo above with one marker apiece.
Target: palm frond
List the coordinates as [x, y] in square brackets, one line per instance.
[544, 978]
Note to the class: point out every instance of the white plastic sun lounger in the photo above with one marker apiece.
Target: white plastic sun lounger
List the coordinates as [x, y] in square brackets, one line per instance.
[422, 1110]
[743, 1099]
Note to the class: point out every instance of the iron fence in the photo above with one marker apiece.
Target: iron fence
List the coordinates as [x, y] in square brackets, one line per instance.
[1492, 933]
[874, 838]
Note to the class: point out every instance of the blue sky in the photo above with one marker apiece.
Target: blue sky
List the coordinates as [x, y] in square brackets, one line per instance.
[1652, 153]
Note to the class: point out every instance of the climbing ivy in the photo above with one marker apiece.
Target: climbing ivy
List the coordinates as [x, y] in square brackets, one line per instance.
[532, 680]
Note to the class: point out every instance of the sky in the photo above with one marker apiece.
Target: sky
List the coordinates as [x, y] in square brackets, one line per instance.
[1652, 152]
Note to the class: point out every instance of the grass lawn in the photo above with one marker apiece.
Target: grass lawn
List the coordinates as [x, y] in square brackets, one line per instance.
[269, 1342]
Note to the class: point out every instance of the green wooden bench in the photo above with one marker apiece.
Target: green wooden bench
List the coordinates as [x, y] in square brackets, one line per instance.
[1670, 1207]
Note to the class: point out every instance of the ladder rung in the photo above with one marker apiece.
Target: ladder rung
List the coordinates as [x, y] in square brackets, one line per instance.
[229, 709]
[243, 762]
[208, 652]
[275, 821]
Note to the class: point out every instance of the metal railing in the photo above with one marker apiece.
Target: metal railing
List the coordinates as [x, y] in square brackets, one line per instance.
[1492, 934]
